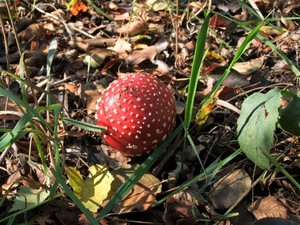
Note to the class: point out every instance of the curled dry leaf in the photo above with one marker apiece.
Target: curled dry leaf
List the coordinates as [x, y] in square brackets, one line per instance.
[269, 206]
[133, 28]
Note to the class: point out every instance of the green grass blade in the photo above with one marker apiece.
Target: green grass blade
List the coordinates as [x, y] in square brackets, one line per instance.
[17, 132]
[98, 10]
[84, 125]
[56, 141]
[195, 72]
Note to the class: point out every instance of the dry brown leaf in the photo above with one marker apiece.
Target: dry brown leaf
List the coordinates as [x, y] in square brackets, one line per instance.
[91, 100]
[181, 209]
[138, 56]
[133, 28]
[101, 42]
[122, 48]
[116, 12]
[268, 207]
[141, 196]
[228, 189]
[250, 66]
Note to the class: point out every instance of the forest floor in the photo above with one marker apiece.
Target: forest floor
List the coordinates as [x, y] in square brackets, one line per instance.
[69, 52]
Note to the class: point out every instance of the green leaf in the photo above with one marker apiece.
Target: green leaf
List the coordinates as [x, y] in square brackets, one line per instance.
[256, 125]
[28, 197]
[290, 116]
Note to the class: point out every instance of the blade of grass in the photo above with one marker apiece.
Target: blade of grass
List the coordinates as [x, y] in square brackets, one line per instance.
[98, 10]
[17, 132]
[84, 125]
[136, 176]
[195, 72]
[56, 141]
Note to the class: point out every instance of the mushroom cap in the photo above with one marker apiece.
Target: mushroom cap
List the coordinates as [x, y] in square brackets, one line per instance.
[138, 111]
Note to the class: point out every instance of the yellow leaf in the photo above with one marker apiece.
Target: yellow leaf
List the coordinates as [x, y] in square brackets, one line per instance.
[203, 113]
[75, 180]
[212, 55]
[94, 189]
[269, 30]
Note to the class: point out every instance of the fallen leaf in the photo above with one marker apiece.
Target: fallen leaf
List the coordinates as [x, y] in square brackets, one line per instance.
[141, 196]
[76, 7]
[122, 48]
[133, 28]
[28, 197]
[228, 189]
[138, 56]
[269, 206]
[271, 31]
[94, 189]
[182, 209]
[203, 113]
[91, 100]
[97, 57]
[252, 65]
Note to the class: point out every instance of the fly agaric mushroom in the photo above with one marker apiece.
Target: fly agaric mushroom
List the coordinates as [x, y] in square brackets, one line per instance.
[138, 112]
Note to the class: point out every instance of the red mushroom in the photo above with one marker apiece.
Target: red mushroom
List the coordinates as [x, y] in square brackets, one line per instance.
[138, 112]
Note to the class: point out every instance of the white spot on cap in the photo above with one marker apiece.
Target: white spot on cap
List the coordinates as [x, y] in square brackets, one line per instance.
[130, 146]
[115, 111]
[137, 137]
[125, 127]
[154, 141]
[158, 131]
[124, 110]
[148, 135]
[139, 99]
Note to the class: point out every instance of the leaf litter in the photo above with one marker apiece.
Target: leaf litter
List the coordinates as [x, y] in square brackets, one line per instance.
[149, 36]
